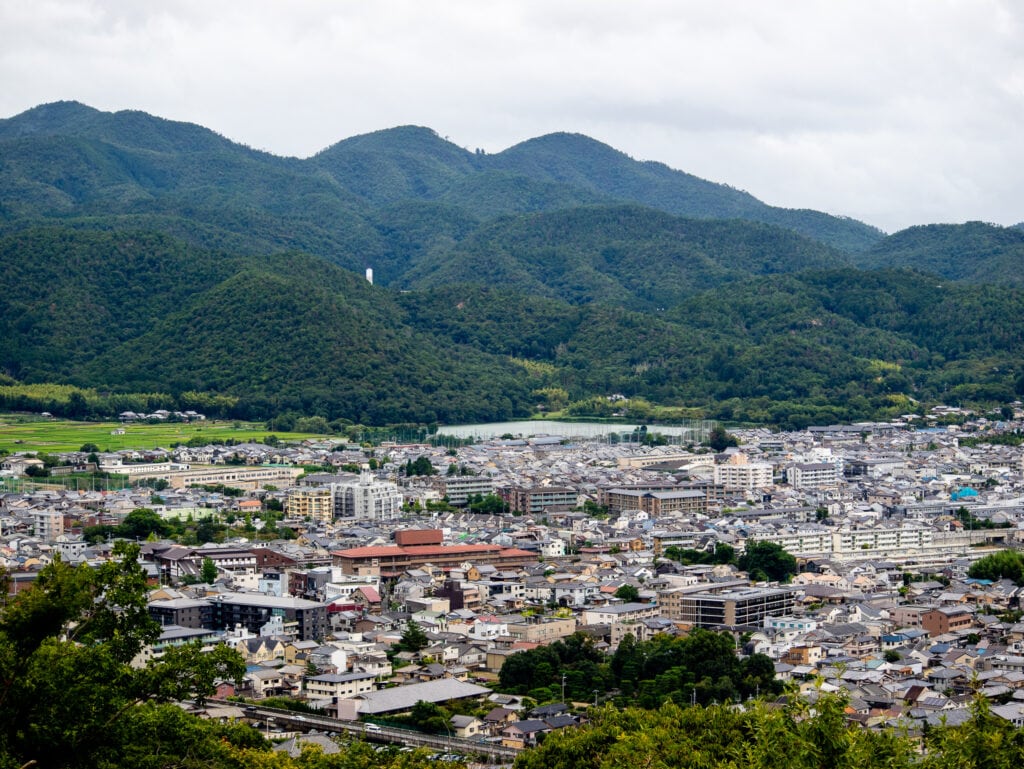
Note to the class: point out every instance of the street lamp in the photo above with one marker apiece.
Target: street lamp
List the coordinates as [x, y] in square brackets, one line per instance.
[563, 687]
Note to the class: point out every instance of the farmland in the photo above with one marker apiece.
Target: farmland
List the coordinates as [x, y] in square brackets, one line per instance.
[21, 433]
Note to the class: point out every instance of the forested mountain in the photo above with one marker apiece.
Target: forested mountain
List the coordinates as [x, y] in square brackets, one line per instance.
[144, 255]
[975, 251]
[623, 255]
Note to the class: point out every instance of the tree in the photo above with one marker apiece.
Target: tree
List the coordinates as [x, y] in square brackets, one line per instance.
[71, 698]
[208, 572]
[628, 593]
[1007, 564]
[720, 440]
[769, 560]
[413, 639]
[89, 448]
[142, 522]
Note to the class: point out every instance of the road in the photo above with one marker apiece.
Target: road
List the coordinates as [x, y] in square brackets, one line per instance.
[495, 754]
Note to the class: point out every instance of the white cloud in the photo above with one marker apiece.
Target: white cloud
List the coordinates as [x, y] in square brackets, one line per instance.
[896, 112]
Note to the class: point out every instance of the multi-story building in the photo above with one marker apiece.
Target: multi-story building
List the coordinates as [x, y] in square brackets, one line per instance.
[743, 607]
[946, 619]
[314, 503]
[367, 499]
[307, 619]
[621, 498]
[459, 488]
[813, 475]
[183, 612]
[542, 630]
[616, 613]
[738, 472]
[392, 560]
[48, 524]
[535, 500]
[658, 503]
[338, 686]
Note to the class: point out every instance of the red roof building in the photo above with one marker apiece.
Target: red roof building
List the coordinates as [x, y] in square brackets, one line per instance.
[392, 560]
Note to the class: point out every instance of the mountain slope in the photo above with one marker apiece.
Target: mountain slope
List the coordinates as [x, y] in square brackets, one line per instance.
[66, 159]
[975, 252]
[620, 255]
[583, 162]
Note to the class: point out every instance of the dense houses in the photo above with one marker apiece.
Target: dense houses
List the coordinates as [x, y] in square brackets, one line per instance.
[883, 521]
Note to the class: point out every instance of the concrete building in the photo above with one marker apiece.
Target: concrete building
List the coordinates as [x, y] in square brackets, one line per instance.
[657, 503]
[367, 499]
[315, 504]
[535, 500]
[337, 686]
[813, 475]
[307, 620]
[744, 607]
[738, 472]
[392, 560]
[459, 488]
[47, 524]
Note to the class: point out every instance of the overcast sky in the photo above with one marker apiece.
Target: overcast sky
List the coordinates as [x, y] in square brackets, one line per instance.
[895, 112]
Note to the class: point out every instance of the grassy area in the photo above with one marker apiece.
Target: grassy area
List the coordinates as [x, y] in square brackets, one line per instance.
[26, 433]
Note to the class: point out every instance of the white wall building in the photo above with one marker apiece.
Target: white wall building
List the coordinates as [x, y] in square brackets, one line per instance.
[367, 499]
[740, 473]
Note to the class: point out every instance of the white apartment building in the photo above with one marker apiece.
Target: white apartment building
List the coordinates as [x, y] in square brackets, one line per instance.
[367, 499]
[814, 475]
[459, 488]
[856, 542]
[335, 686]
[740, 473]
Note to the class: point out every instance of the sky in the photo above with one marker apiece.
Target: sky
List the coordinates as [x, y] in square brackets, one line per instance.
[894, 112]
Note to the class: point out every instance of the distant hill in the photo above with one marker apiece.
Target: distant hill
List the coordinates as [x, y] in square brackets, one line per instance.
[67, 159]
[145, 255]
[588, 164]
[975, 252]
[623, 255]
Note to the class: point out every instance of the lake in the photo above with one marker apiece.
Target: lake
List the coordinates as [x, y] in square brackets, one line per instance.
[695, 430]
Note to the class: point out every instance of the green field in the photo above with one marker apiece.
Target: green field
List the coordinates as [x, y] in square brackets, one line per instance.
[21, 433]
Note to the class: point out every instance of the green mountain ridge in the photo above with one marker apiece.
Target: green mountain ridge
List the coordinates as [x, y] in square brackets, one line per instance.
[146, 255]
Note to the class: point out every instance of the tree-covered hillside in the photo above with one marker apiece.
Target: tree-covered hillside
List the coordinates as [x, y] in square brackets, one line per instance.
[975, 251]
[622, 255]
[143, 255]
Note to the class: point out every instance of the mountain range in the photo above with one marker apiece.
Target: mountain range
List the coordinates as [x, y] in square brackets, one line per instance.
[145, 255]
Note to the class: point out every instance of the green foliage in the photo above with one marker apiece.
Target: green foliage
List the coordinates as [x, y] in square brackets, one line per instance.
[699, 668]
[722, 554]
[538, 672]
[208, 572]
[767, 561]
[71, 697]
[1006, 564]
[628, 593]
[753, 738]
[720, 440]
[974, 251]
[413, 638]
[490, 504]
[549, 275]
[422, 466]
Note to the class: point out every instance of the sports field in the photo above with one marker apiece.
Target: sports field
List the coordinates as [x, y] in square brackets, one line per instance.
[21, 433]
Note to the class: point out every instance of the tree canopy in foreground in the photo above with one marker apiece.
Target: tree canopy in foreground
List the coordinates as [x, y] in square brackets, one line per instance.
[796, 736]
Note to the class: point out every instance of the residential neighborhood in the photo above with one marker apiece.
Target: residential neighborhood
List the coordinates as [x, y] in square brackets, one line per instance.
[513, 543]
